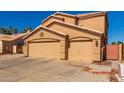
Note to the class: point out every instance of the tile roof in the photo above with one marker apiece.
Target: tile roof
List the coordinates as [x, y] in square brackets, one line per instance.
[11, 37]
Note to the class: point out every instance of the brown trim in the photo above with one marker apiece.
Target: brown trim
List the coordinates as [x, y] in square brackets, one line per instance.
[63, 19]
[44, 39]
[101, 52]
[80, 38]
[76, 20]
[75, 26]
[106, 16]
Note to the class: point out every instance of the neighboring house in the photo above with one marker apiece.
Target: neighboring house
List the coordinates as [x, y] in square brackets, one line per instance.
[18, 42]
[74, 37]
[6, 44]
[10, 44]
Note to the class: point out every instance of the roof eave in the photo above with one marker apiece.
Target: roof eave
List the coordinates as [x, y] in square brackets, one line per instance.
[90, 15]
[59, 33]
[65, 14]
[75, 26]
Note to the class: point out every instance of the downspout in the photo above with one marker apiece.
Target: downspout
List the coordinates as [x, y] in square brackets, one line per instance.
[76, 20]
[67, 45]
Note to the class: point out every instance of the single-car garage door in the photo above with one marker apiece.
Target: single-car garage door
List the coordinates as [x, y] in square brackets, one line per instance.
[44, 49]
[81, 51]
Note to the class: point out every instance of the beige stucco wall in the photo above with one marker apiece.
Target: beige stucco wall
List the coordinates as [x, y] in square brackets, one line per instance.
[24, 49]
[42, 35]
[67, 19]
[72, 32]
[14, 48]
[95, 23]
[97, 53]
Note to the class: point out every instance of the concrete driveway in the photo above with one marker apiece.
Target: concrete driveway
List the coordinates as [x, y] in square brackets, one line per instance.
[20, 68]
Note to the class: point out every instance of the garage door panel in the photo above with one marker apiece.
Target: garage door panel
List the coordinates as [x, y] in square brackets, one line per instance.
[35, 50]
[45, 50]
[52, 50]
[81, 51]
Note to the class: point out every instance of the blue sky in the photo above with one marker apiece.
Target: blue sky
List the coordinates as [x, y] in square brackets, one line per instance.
[33, 19]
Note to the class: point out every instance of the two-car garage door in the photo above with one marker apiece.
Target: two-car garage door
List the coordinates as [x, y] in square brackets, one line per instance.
[45, 49]
[81, 51]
